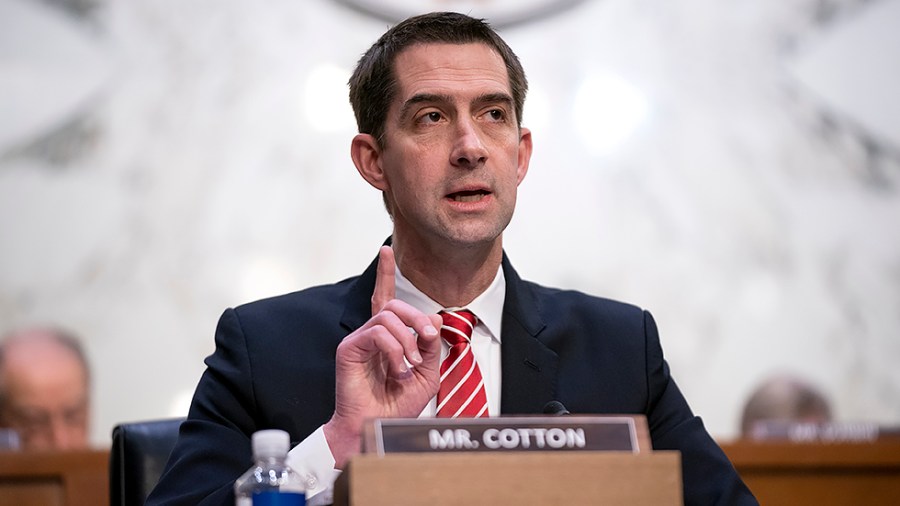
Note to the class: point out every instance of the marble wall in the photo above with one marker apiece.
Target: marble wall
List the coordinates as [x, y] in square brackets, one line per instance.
[731, 166]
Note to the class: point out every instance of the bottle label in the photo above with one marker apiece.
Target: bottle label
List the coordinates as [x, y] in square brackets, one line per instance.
[276, 498]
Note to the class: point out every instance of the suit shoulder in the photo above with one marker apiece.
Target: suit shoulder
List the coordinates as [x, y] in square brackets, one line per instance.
[313, 300]
[558, 299]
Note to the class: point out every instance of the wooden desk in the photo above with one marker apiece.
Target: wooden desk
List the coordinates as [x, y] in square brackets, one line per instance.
[76, 478]
[512, 479]
[819, 473]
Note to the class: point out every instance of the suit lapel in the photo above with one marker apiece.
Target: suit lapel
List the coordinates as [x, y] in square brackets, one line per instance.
[529, 368]
[358, 307]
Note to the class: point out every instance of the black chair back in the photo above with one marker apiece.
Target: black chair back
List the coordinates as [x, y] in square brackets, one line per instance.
[137, 458]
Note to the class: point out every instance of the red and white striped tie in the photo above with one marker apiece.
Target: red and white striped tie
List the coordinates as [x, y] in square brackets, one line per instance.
[462, 392]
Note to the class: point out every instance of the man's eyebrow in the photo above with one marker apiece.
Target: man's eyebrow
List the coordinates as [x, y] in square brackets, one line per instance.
[494, 98]
[419, 98]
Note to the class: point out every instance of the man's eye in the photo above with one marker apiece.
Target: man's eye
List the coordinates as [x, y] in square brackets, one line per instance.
[496, 114]
[431, 117]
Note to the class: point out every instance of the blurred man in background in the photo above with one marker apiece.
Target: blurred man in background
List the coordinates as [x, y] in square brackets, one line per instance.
[783, 398]
[44, 389]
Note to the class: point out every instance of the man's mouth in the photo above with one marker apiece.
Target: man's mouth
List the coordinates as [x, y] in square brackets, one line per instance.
[468, 195]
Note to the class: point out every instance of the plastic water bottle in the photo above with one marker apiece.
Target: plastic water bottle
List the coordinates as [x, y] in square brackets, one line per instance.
[270, 482]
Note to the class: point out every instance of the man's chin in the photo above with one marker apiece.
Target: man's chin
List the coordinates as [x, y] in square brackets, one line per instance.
[470, 240]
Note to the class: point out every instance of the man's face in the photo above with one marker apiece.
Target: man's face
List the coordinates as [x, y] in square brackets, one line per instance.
[453, 154]
[47, 398]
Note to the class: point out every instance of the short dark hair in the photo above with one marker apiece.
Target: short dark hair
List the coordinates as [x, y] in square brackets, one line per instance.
[373, 84]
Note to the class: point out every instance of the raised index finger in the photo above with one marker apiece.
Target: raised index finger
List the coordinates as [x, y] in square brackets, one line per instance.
[384, 280]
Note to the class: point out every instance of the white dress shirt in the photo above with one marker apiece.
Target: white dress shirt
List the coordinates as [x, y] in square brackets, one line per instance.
[312, 458]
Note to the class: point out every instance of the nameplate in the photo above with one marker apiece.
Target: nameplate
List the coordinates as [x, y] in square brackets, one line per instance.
[821, 432]
[626, 433]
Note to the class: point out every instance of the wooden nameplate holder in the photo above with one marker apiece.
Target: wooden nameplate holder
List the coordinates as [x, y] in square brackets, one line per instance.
[570, 460]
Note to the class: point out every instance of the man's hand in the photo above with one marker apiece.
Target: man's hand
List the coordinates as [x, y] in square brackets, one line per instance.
[373, 374]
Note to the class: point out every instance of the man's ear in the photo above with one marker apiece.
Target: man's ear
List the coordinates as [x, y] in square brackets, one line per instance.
[366, 156]
[524, 154]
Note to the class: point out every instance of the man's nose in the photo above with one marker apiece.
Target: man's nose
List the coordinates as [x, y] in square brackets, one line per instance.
[469, 150]
[62, 433]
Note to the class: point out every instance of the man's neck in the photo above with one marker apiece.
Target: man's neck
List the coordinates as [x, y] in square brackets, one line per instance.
[452, 277]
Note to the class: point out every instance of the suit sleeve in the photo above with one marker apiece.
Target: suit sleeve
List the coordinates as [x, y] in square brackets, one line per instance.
[213, 447]
[708, 476]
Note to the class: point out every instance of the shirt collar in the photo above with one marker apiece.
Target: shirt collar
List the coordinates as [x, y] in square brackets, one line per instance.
[488, 306]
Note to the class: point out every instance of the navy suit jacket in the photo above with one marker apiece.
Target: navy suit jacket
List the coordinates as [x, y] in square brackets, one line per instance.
[274, 367]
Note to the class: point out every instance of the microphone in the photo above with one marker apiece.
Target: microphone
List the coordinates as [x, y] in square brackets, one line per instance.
[555, 408]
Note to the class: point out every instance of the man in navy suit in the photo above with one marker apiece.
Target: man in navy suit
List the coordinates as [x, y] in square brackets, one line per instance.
[438, 100]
